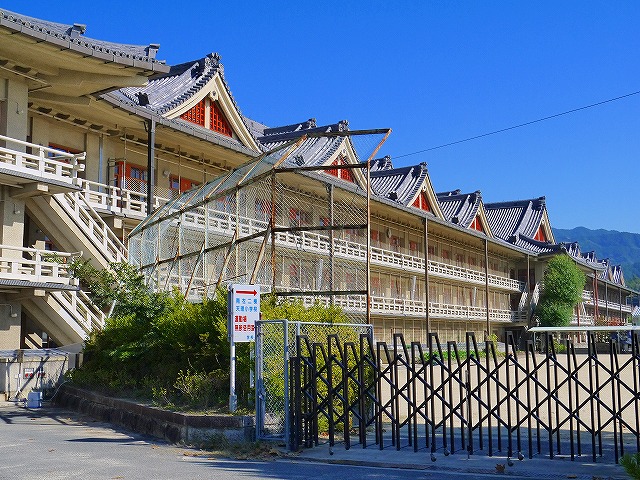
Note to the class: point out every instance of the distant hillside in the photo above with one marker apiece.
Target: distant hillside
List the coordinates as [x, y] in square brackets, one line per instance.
[621, 248]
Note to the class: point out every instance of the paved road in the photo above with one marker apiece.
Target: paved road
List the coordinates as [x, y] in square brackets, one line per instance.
[53, 444]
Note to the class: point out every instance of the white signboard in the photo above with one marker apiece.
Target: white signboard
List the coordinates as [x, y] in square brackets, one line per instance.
[245, 311]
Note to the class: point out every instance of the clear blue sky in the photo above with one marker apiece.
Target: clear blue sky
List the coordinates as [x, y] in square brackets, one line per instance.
[434, 72]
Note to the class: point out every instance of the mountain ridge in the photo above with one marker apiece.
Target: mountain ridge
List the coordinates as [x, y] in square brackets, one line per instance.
[621, 248]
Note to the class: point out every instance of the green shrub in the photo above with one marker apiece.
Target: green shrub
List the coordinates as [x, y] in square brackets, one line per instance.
[631, 464]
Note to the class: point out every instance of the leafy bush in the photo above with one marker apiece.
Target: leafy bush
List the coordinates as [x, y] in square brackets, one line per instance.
[562, 290]
[158, 345]
[631, 464]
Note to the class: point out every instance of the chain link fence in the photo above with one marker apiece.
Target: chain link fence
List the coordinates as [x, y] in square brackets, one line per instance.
[275, 343]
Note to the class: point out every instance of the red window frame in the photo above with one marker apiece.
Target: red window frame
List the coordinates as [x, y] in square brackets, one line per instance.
[195, 114]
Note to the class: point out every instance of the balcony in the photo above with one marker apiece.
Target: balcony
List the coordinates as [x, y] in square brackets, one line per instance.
[413, 308]
[44, 170]
[30, 267]
[585, 321]
[588, 299]
[116, 200]
[224, 223]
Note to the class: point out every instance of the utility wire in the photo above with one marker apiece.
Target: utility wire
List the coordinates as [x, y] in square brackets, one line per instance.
[520, 125]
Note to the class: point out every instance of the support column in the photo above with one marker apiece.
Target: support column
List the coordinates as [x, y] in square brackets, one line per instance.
[486, 285]
[151, 153]
[14, 123]
[426, 280]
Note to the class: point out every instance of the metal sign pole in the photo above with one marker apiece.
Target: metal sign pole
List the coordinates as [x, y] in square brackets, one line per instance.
[233, 399]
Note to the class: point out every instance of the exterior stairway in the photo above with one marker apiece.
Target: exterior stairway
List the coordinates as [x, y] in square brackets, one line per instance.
[73, 225]
[68, 315]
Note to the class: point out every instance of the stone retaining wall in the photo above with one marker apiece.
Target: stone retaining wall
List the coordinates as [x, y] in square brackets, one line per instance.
[174, 427]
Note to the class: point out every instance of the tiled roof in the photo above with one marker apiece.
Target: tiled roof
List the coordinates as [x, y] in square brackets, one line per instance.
[255, 128]
[72, 37]
[511, 220]
[170, 90]
[275, 137]
[399, 184]
[383, 163]
[460, 208]
[312, 152]
[605, 274]
[617, 275]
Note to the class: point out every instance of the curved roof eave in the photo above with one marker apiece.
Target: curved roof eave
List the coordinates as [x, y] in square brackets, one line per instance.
[186, 84]
[185, 127]
[70, 37]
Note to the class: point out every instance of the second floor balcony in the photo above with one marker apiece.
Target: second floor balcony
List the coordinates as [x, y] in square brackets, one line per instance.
[33, 268]
[23, 164]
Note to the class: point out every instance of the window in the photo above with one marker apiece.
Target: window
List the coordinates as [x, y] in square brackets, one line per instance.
[375, 286]
[343, 173]
[476, 225]
[139, 174]
[459, 259]
[294, 275]
[263, 210]
[63, 148]
[394, 243]
[130, 177]
[181, 184]
[299, 218]
[196, 114]
[217, 121]
[421, 202]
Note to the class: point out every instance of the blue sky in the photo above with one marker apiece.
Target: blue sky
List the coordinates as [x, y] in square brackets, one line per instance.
[434, 72]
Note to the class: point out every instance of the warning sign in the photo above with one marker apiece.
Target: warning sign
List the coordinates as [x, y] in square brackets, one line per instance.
[244, 312]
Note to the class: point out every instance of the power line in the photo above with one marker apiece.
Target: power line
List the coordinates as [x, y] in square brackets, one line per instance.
[520, 125]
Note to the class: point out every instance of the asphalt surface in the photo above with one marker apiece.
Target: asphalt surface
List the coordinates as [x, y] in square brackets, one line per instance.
[49, 443]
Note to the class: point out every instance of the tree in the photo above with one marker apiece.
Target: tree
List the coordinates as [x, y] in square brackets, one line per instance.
[562, 290]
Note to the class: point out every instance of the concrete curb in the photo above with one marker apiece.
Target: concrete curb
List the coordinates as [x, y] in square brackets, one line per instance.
[174, 427]
[479, 464]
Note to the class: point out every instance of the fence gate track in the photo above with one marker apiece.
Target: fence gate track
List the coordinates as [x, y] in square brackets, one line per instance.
[444, 400]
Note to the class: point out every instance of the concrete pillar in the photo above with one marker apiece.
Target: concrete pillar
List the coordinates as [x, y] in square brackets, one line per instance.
[15, 97]
[10, 325]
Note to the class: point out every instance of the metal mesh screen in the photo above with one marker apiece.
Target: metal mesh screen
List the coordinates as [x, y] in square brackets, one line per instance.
[283, 221]
[275, 343]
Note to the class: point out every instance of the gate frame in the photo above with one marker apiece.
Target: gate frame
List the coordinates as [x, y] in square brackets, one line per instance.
[260, 392]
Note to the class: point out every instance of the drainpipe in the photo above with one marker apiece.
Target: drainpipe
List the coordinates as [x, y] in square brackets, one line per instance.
[486, 285]
[151, 142]
[426, 279]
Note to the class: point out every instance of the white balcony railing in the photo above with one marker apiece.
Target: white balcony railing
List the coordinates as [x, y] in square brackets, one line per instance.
[93, 226]
[588, 298]
[117, 200]
[33, 265]
[414, 308]
[44, 162]
[358, 303]
[225, 223]
[585, 320]
[81, 309]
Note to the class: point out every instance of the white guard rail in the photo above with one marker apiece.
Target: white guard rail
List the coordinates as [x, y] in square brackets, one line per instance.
[44, 161]
[33, 265]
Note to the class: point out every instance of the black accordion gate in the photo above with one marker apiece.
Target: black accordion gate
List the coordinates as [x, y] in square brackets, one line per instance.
[449, 400]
